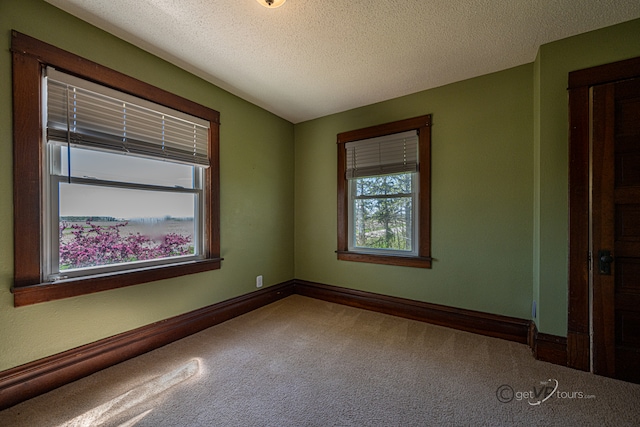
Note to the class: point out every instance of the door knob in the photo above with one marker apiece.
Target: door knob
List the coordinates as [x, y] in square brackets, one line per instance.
[605, 259]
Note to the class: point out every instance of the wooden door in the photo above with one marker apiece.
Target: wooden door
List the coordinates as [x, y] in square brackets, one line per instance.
[615, 228]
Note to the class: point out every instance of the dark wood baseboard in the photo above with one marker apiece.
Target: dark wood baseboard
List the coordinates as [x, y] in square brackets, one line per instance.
[548, 348]
[32, 379]
[578, 350]
[492, 325]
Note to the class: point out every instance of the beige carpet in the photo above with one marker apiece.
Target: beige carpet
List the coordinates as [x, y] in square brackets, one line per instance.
[304, 362]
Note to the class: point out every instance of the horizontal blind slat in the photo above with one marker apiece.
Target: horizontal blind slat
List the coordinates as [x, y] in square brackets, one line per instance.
[139, 148]
[388, 154]
[97, 117]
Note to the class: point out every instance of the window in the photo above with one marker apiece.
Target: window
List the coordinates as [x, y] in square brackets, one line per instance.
[384, 192]
[116, 182]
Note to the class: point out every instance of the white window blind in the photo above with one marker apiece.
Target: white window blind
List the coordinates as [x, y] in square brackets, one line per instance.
[82, 113]
[383, 155]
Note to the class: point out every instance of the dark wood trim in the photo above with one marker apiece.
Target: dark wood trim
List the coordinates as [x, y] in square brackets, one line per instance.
[33, 294]
[579, 84]
[342, 202]
[606, 73]
[385, 129]
[491, 325]
[27, 152]
[24, 382]
[44, 53]
[533, 332]
[578, 351]
[37, 377]
[603, 227]
[547, 347]
[423, 125]
[424, 212]
[579, 187]
[30, 56]
[404, 261]
[551, 348]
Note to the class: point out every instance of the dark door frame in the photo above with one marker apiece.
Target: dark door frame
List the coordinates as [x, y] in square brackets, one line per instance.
[580, 83]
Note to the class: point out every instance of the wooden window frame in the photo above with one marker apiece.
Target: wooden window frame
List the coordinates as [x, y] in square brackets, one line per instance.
[30, 56]
[423, 260]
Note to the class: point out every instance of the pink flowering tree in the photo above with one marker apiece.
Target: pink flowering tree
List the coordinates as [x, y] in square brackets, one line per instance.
[91, 245]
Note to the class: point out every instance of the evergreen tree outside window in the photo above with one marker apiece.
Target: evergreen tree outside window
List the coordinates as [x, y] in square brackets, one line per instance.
[383, 194]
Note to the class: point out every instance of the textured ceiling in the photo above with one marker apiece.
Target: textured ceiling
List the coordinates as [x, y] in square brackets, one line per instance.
[308, 59]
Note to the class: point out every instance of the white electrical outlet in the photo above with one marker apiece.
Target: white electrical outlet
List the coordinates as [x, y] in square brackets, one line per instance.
[258, 281]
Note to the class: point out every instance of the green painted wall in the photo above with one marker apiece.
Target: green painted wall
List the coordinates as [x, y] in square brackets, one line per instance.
[482, 196]
[256, 200]
[555, 61]
[499, 192]
[500, 186]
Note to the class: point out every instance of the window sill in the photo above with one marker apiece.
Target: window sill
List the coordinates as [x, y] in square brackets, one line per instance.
[49, 291]
[398, 260]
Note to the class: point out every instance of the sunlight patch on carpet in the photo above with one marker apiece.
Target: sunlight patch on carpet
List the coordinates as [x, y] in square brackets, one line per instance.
[106, 411]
